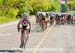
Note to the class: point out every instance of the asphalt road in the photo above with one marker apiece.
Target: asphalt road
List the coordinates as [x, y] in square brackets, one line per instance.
[55, 39]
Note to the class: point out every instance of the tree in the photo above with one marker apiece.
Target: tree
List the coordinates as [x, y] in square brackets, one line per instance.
[40, 5]
[15, 8]
[64, 8]
[12, 7]
[55, 6]
[72, 4]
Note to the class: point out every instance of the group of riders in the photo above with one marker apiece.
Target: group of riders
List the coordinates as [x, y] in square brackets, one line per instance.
[58, 18]
[42, 19]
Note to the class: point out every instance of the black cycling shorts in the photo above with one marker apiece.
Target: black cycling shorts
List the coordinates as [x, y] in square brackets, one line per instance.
[43, 19]
[24, 27]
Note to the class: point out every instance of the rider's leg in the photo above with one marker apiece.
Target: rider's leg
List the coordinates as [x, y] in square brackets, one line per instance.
[71, 20]
[46, 24]
[22, 39]
[26, 37]
[39, 23]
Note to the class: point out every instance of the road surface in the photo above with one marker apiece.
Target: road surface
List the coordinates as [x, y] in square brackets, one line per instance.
[55, 39]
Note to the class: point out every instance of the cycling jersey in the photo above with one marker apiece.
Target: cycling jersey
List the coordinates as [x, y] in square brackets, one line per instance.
[24, 23]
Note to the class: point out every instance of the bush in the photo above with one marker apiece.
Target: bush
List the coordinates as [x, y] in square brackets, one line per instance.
[55, 7]
[4, 19]
[1, 12]
[12, 12]
[72, 5]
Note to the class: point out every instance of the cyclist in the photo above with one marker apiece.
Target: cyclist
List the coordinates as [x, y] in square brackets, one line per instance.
[69, 18]
[42, 17]
[42, 21]
[52, 16]
[26, 26]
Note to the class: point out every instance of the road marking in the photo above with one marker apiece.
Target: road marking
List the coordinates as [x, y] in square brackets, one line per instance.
[42, 40]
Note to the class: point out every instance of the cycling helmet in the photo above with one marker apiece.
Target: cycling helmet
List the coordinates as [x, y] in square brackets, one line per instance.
[25, 15]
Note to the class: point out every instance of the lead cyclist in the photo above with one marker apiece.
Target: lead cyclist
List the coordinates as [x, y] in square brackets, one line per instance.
[25, 29]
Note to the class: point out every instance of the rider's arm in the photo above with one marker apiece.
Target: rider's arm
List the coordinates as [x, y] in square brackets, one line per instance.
[30, 25]
[19, 23]
[18, 26]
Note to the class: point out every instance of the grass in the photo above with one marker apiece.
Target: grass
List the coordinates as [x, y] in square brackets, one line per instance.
[4, 19]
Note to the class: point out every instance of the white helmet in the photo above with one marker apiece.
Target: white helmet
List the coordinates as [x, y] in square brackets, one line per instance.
[25, 15]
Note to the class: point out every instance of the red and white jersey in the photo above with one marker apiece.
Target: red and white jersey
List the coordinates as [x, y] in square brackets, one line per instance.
[24, 23]
[22, 20]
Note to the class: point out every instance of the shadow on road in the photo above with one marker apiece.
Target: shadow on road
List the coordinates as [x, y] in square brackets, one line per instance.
[11, 51]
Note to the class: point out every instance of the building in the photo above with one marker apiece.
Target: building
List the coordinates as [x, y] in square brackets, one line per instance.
[64, 1]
